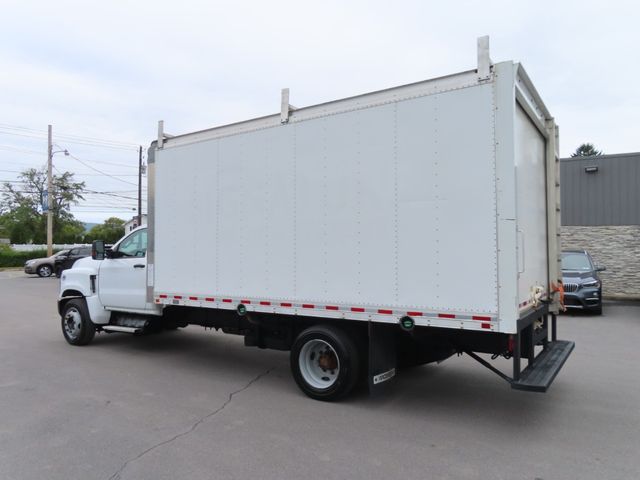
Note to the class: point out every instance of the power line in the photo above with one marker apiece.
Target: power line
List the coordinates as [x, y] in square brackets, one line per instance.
[106, 163]
[33, 152]
[71, 137]
[80, 174]
[104, 211]
[24, 185]
[111, 195]
[99, 175]
[75, 142]
[102, 206]
[22, 135]
[92, 174]
[100, 171]
[123, 191]
[21, 150]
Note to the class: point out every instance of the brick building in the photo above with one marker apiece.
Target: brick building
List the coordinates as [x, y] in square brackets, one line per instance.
[600, 203]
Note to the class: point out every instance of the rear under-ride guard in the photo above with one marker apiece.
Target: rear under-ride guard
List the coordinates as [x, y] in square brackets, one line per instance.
[382, 355]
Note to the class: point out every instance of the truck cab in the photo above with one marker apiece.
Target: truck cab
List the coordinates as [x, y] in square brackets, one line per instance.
[110, 282]
[122, 275]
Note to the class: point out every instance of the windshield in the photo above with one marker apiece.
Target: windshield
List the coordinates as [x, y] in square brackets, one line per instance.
[576, 261]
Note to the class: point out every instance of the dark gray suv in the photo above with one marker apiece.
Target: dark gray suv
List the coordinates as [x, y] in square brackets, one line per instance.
[67, 260]
[582, 285]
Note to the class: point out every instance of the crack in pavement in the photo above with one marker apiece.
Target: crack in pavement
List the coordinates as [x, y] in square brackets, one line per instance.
[116, 475]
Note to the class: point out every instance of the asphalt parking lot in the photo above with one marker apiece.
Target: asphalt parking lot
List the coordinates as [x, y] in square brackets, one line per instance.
[199, 405]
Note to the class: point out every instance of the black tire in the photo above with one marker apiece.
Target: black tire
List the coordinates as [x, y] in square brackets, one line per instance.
[45, 270]
[77, 327]
[597, 310]
[327, 344]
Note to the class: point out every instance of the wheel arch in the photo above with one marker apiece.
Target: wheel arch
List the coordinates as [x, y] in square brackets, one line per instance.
[67, 295]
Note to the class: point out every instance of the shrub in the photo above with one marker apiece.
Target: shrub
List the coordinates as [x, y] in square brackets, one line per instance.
[10, 258]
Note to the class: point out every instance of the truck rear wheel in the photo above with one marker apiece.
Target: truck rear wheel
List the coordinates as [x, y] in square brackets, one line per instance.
[325, 363]
[77, 327]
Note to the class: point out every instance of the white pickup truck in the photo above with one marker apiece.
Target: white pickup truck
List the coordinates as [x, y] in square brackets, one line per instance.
[393, 228]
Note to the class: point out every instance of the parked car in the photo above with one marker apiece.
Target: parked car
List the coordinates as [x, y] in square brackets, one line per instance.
[66, 261]
[44, 267]
[581, 282]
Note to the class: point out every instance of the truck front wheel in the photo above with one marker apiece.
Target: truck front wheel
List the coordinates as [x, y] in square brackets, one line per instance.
[77, 327]
[325, 363]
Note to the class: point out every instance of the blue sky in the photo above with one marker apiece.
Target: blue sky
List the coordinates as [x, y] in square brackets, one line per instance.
[111, 70]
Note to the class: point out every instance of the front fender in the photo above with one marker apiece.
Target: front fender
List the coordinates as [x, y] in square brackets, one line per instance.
[78, 280]
[83, 283]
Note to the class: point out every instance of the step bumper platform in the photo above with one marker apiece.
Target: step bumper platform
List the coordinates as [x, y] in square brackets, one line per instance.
[539, 375]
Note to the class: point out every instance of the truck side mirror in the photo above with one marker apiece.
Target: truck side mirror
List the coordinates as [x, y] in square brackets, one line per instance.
[600, 269]
[97, 250]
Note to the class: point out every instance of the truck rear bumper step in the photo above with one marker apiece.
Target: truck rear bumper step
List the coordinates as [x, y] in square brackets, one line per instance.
[538, 376]
[116, 328]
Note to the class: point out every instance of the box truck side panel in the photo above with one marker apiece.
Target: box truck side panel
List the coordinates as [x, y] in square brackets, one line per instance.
[278, 216]
[231, 216]
[531, 206]
[340, 206]
[180, 211]
[418, 199]
[377, 205]
[466, 200]
[202, 223]
[393, 204]
[328, 208]
[254, 192]
[255, 237]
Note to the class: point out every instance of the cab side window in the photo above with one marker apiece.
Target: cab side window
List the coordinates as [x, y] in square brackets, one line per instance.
[134, 245]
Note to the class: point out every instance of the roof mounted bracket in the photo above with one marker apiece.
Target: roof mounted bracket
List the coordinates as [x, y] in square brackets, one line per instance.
[484, 61]
[285, 106]
[162, 136]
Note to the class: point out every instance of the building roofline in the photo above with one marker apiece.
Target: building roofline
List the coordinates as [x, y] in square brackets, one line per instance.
[601, 157]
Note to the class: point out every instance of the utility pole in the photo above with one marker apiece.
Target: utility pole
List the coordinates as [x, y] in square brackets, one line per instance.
[140, 186]
[49, 193]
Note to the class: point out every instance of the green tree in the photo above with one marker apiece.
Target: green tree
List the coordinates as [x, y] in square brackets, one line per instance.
[586, 150]
[110, 231]
[21, 212]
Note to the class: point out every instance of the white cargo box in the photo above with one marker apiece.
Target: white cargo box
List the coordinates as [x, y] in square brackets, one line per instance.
[436, 200]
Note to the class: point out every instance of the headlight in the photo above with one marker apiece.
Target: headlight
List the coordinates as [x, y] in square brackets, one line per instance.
[595, 284]
[30, 262]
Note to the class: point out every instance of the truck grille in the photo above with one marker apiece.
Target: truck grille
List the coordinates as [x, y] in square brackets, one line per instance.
[570, 287]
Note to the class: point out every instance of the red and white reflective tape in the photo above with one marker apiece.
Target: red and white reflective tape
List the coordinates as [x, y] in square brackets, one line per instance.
[529, 302]
[487, 321]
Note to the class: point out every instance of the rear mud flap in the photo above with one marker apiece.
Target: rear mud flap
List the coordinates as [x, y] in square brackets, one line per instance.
[382, 356]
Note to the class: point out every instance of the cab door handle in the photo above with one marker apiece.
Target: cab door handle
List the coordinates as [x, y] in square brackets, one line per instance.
[138, 265]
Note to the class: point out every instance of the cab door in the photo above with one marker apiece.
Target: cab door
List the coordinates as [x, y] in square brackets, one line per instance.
[122, 281]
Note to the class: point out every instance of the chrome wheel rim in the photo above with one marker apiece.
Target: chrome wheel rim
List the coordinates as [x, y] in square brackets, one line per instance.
[319, 364]
[72, 323]
[45, 271]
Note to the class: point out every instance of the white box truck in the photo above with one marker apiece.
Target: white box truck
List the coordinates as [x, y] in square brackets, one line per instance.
[393, 228]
